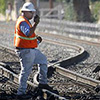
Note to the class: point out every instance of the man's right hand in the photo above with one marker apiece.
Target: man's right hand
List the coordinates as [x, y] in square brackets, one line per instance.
[36, 19]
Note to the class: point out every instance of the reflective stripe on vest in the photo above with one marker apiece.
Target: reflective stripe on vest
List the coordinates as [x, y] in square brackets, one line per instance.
[25, 38]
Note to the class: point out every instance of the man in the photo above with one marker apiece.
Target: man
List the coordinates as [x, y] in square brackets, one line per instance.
[26, 42]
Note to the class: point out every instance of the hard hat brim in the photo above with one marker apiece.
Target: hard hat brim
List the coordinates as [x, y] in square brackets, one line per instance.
[28, 10]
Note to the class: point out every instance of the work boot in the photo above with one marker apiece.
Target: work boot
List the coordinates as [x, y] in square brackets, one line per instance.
[45, 86]
[23, 97]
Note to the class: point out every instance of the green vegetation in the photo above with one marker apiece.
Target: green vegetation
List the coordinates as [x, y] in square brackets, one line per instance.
[69, 12]
[95, 9]
[3, 5]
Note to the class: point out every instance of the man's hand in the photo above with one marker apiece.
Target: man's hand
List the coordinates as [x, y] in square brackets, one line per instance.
[39, 38]
[36, 19]
[36, 22]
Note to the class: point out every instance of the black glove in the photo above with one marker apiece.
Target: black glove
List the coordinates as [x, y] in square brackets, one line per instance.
[36, 19]
[39, 38]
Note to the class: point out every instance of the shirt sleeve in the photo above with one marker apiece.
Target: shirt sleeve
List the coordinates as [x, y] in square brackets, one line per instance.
[25, 28]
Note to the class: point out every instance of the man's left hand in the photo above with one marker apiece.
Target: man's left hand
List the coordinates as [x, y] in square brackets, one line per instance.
[39, 38]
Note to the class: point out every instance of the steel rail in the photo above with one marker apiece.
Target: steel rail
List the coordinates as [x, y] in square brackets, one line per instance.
[12, 76]
[90, 42]
[75, 47]
[48, 94]
[72, 59]
[77, 77]
[73, 76]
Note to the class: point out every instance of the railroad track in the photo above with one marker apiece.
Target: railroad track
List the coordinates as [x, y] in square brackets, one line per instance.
[13, 80]
[72, 76]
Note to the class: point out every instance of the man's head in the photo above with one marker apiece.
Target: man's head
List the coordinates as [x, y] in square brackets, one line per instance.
[28, 10]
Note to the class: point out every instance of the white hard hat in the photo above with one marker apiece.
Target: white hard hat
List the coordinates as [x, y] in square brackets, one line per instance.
[28, 6]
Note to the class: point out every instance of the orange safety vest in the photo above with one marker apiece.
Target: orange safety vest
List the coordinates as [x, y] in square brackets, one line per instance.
[21, 40]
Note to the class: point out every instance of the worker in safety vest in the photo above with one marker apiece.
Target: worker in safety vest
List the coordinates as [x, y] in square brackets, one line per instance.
[26, 42]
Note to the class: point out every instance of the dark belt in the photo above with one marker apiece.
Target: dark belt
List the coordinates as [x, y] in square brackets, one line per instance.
[22, 48]
[19, 48]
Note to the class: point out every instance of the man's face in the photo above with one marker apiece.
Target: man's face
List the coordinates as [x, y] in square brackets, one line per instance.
[29, 14]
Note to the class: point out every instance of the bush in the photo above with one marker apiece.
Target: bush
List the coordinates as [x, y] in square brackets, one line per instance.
[95, 10]
[2, 6]
[69, 12]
